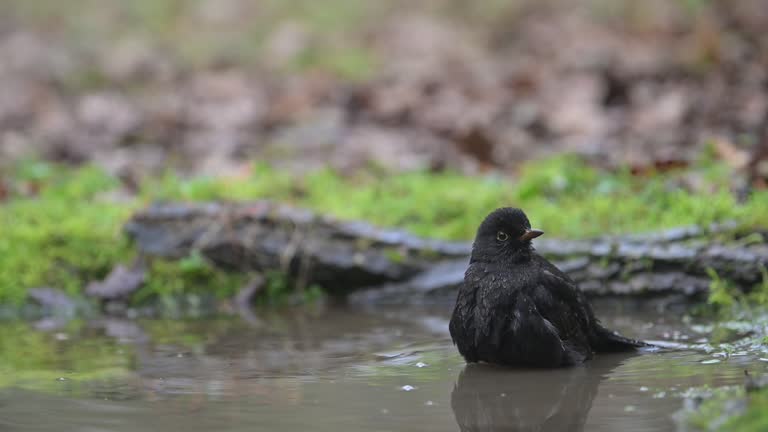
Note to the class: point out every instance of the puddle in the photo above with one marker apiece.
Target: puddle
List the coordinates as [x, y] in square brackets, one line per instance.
[338, 369]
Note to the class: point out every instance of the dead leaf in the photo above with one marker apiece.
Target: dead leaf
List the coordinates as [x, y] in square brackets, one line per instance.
[735, 157]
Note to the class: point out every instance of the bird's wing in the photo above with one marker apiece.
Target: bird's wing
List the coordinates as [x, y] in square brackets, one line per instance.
[581, 317]
[515, 330]
[560, 302]
[564, 288]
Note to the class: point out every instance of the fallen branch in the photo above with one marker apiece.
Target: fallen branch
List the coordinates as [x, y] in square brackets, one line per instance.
[394, 266]
[341, 256]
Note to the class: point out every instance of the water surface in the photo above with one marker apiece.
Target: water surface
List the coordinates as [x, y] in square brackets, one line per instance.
[336, 369]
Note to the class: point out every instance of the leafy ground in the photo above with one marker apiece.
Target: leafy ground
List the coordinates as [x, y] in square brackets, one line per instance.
[61, 226]
[201, 85]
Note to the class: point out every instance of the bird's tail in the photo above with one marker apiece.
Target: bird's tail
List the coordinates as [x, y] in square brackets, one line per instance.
[608, 341]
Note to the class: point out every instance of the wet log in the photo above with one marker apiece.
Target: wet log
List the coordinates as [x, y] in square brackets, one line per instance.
[341, 256]
[393, 266]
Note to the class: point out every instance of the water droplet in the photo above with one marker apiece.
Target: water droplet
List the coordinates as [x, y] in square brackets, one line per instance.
[429, 403]
[384, 411]
[711, 361]
[629, 408]
[643, 389]
[421, 365]
[61, 379]
[660, 395]
[61, 336]
[180, 355]
[408, 388]
[503, 395]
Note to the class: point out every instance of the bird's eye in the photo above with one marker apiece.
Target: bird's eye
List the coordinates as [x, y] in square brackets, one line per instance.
[501, 236]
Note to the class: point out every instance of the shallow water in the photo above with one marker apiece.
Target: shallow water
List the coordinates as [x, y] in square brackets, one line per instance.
[336, 369]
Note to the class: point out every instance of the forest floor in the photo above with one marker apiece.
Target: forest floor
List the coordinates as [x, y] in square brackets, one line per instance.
[205, 87]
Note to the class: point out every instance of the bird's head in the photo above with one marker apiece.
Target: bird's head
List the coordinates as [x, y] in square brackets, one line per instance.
[505, 234]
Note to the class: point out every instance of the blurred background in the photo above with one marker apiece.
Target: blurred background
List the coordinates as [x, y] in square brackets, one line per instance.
[595, 116]
[598, 117]
[207, 87]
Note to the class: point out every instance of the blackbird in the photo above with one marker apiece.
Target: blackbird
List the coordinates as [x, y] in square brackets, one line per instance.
[517, 308]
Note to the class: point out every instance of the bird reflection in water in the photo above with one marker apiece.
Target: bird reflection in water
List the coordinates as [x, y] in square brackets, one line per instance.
[495, 398]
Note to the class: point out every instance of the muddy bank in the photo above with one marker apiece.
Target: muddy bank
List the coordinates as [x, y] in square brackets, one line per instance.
[393, 266]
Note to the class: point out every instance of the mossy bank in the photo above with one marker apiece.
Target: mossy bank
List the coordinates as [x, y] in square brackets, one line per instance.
[61, 226]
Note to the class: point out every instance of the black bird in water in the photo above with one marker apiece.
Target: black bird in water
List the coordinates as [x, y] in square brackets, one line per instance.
[517, 308]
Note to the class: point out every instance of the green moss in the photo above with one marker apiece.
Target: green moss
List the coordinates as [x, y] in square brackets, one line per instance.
[727, 301]
[450, 205]
[63, 236]
[313, 294]
[755, 418]
[710, 414]
[394, 255]
[190, 275]
[722, 294]
[723, 409]
[62, 227]
[279, 291]
[759, 294]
